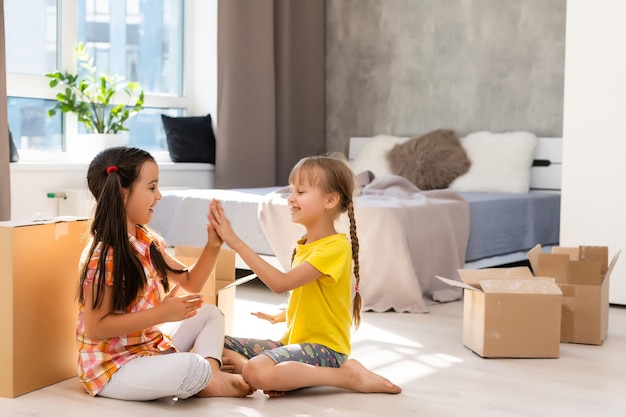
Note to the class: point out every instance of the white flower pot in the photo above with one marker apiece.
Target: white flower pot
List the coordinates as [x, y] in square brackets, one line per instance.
[86, 146]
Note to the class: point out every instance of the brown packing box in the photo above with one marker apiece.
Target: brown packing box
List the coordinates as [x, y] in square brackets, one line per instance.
[583, 275]
[219, 288]
[38, 307]
[508, 313]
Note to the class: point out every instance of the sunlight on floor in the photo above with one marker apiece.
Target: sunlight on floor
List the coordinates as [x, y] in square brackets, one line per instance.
[383, 351]
[388, 353]
[369, 332]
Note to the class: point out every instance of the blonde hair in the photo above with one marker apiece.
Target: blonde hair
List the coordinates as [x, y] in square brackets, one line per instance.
[332, 174]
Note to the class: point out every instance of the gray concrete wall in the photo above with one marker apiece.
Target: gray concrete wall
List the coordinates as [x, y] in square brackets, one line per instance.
[405, 67]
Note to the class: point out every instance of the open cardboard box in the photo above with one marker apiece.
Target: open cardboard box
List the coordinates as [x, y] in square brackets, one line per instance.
[582, 273]
[508, 313]
[38, 307]
[221, 286]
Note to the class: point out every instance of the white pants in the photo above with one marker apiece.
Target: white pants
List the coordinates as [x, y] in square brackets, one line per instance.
[180, 374]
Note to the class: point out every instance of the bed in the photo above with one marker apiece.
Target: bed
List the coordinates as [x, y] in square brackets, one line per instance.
[407, 236]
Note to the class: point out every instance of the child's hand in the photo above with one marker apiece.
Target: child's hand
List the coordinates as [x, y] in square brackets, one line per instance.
[175, 308]
[222, 225]
[214, 239]
[272, 318]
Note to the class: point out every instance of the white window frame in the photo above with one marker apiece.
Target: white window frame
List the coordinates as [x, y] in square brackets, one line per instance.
[200, 71]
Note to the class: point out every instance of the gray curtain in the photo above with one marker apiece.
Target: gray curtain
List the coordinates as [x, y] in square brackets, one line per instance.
[271, 77]
[5, 183]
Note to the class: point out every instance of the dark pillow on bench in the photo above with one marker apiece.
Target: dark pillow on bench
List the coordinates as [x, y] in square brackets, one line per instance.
[190, 139]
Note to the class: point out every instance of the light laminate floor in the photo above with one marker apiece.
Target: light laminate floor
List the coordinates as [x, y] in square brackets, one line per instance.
[421, 352]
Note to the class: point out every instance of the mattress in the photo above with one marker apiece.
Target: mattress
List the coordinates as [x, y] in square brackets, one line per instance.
[500, 224]
[506, 223]
[181, 215]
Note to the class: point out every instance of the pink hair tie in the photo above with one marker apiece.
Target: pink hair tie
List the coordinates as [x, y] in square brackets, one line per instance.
[356, 288]
[112, 168]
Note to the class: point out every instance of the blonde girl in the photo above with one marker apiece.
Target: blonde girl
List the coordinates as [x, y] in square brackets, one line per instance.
[123, 296]
[315, 347]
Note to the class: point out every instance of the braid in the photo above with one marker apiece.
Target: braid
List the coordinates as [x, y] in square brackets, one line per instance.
[332, 174]
[293, 255]
[357, 302]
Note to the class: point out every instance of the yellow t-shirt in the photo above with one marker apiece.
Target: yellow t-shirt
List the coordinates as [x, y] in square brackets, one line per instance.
[319, 312]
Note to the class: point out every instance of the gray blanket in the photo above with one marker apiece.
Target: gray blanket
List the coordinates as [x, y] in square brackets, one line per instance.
[406, 237]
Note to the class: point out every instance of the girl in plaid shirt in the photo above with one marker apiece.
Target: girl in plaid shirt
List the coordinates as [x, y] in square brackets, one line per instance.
[126, 295]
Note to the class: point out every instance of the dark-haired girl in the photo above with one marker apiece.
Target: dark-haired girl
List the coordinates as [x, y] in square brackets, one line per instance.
[129, 288]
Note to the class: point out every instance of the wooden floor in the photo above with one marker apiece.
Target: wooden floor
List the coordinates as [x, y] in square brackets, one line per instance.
[421, 352]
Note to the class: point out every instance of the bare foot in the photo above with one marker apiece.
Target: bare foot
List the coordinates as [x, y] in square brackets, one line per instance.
[233, 361]
[227, 365]
[363, 380]
[224, 384]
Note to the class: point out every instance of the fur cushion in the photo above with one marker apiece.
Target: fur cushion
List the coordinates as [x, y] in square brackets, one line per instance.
[431, 161]
[373, 155]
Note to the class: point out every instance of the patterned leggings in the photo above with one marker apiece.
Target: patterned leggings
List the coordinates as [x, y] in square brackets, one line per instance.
[309, 353]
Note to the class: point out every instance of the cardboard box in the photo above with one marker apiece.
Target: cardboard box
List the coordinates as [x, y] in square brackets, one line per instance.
[220, 287]
[582, 273]
[508, 313]
[38, 306]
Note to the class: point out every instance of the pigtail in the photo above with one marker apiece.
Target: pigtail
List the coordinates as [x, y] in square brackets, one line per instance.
[109, 174]
[357, 301]
[110, 229]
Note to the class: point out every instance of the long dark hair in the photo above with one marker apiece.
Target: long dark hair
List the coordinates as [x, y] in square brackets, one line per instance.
[336, 177]
[109, 228]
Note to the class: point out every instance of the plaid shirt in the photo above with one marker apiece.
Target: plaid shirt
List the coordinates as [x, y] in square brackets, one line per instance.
[98, 359]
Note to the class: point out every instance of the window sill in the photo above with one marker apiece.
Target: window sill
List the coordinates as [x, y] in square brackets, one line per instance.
[53, 157]
[81, 166]
[61, 161]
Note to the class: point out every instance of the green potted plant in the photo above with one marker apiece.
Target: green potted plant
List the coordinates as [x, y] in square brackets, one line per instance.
[95, 98]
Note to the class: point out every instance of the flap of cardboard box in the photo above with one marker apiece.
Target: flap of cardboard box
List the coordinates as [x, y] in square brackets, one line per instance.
[472, 277]
[509, 280]
[537, 285]
[612, 264]
[584, 273]
[555, 265]
[238, 282]
[59, 219]
[458, 284]
[583, 265]
[573, 253]
[595, 254]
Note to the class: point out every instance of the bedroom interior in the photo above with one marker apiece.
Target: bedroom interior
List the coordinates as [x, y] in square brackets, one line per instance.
[477, 66]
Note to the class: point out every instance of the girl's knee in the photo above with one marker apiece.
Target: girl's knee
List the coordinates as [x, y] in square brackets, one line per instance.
[210, 311]
[258, 371]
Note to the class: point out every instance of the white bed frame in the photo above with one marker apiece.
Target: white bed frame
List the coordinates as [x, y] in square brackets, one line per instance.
[545, 175]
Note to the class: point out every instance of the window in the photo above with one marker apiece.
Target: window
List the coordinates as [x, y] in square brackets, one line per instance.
[139, 39]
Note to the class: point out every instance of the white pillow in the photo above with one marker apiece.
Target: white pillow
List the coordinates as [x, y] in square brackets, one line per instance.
[373, 155]
[501, 162]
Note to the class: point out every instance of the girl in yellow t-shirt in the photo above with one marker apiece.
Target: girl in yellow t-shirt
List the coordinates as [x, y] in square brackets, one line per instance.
[315, 348]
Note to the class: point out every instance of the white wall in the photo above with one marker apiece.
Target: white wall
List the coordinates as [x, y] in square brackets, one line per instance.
[594, 130]
[201, 46]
